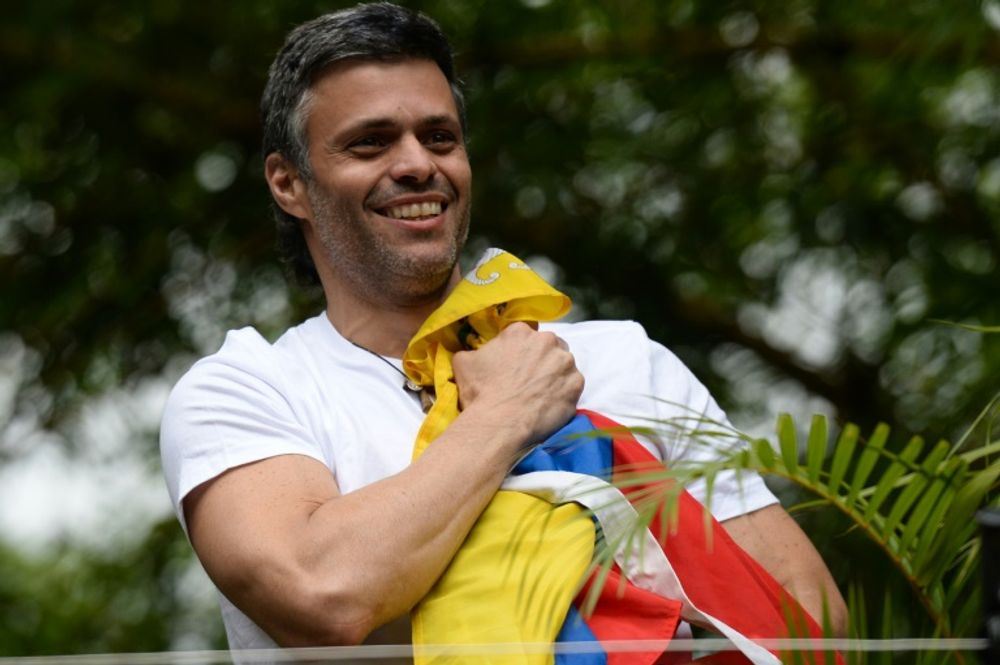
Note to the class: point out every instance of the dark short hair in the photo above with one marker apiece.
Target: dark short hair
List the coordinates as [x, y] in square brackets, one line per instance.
[378, 31]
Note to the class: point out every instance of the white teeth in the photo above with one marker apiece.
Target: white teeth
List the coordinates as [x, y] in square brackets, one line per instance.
[414, 210]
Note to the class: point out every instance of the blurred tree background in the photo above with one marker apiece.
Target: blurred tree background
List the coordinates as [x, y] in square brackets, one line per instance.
[788, 194]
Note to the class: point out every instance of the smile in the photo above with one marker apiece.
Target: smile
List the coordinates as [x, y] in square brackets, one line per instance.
[422, 210]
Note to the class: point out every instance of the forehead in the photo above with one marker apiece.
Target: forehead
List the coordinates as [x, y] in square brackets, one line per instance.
[350, 93]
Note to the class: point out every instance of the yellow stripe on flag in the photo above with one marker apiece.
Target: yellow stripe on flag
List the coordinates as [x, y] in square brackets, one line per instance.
[516, 574]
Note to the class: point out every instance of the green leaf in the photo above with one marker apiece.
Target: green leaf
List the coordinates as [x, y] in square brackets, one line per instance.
[827, 623]
[914, 489]
[803, 506]
[967, 326]
[842, 456]
[968, 498]
[788, 443]
[886, 631]
[963, 584]
[897, 468]
[931, 509]
[765, 453]
[992, 448]
[872, 451]
[816, 447]
[857, 617]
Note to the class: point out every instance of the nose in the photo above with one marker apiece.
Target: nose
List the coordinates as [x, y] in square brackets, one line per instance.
[412, 161]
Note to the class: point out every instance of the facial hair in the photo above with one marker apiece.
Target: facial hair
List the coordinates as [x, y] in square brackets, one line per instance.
[376, 268]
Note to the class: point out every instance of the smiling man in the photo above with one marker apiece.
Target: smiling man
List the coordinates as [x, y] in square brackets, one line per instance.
[290, 462]
[387, 194]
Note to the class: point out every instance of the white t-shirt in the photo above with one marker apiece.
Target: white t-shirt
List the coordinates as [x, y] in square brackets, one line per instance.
[314, 393]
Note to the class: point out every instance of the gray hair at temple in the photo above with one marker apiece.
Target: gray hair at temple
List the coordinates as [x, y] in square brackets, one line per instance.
[378, 31]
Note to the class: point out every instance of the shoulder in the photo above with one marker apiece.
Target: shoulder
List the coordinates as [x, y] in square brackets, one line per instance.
[596, 330]
[245, 358]
[614, 358]
[640, 383]
[232, 407]
[599, 338]
[620, 347]
[623, 345]
[246, 355]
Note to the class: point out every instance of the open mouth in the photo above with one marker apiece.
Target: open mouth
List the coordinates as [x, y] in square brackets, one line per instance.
[414, 211]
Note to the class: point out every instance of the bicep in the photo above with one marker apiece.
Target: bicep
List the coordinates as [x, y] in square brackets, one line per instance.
[246, 525]
[778, 544]
[774, 540]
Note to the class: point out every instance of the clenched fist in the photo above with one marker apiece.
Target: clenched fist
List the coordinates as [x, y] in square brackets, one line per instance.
[524, 376]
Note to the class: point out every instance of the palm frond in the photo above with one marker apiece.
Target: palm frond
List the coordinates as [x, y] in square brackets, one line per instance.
[917, 505]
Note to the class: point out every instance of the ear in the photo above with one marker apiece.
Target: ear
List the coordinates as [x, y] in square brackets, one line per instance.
[287, 187]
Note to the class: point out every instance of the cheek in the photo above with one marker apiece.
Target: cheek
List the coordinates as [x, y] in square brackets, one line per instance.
[459, 173]
[356, 182]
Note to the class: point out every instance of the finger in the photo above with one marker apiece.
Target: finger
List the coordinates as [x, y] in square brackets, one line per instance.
[555, 339]
[515, 328]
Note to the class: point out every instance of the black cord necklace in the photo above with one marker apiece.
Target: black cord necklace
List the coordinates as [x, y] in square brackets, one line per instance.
[408, 383]
[426, 394]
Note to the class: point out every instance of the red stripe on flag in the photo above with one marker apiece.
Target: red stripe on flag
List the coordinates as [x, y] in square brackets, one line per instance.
[626, 612]
[718, 577]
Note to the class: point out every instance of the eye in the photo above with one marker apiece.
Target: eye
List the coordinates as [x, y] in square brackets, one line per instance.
[441, 139]
[369, 144]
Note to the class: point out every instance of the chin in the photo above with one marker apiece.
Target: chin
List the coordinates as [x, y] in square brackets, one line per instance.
[429, 258]
[418, 272]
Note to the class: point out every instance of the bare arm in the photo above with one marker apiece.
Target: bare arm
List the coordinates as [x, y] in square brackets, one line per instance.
[313, 566]
[777, 542]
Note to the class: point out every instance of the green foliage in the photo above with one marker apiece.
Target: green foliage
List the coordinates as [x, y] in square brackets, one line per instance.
[917, 507]
[119, 599]
[721, 163]
[931, 542]
[783, 192]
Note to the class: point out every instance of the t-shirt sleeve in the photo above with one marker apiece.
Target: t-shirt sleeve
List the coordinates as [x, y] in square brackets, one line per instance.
[694, 429]
[229, 409]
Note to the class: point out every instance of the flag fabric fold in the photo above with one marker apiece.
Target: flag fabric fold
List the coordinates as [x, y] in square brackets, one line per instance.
[524, 574]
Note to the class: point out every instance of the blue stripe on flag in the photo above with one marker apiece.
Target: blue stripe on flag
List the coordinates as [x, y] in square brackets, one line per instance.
[576, 448]
[575, 629]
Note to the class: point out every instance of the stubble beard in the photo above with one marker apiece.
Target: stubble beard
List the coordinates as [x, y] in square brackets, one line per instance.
[376, 270]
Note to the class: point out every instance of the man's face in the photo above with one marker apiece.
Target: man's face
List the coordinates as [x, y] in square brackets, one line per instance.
[391, 179]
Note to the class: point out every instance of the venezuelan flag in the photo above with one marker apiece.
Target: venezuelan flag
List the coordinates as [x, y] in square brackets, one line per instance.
[685, 567]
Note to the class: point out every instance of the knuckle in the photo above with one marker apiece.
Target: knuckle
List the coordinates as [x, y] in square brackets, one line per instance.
[549, 337]
[462, 361]
[517, 328]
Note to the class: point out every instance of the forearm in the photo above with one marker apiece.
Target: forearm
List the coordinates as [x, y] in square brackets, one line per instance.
[406, 528]
[311, 566]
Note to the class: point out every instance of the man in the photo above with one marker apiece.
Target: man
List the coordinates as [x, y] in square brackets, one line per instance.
[289, 463]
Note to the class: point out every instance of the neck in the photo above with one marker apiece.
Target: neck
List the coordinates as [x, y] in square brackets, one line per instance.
[383, 327]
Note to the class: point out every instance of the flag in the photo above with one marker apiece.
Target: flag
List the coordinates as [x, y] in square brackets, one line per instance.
[524, 574]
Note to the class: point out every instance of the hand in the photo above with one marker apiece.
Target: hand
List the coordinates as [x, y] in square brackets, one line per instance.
[522, 376]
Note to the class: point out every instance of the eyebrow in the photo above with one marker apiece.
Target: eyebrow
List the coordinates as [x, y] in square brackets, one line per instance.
[387, 123]
[333, 144]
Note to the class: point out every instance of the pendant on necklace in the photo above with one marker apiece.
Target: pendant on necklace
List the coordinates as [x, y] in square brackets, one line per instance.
[426, 394]
[426, 399]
